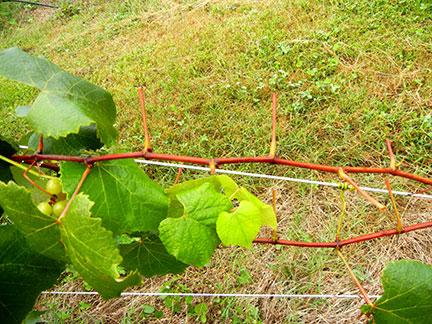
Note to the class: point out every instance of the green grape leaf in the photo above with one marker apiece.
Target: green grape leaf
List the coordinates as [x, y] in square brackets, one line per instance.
[241, 226]
[41, 231]
[188, 240]
[73, 144]
[24, 274]
[407, 294]
[65, 102]
[204, 203]
[149, 257]
[93, 250]
[126, 199]
[268, 217]
[36, 194]
[192, 238]
[221, 183]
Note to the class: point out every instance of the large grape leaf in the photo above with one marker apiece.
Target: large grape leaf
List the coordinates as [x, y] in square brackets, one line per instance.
[268, 217]
[407, 294]
[93, 250]
[24, 274]
[126, 199]
[188, 240]
[241, 226]
[73, 144]
[204, 203]
[41, 231]
[65, 102]
[149, 257]
[221, 183]
[192, 238]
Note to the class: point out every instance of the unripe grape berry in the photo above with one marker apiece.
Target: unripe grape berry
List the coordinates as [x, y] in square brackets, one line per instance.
[54, 186]
[58, 207]
[45, 208]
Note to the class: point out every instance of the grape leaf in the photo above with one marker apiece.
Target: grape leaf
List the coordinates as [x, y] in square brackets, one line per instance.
[192, 238]
[65, 102]
[241, 226]
[73, 144]
[188, 240]
[204, 203]
[36, 194]
[41, 231]
[126, 199]
[24, 274]
[93, 251]
[150, 257]
[268, 217]
[221, 183]
[407, 294]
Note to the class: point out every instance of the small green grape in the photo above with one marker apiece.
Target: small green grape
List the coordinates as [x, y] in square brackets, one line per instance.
[54, 186]
[45, 208]
[58, 207]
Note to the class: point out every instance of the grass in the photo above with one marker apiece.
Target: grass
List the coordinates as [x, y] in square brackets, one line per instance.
[348, 76]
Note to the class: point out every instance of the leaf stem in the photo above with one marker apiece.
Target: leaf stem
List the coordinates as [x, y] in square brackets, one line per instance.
[356, 281]
[33, 183]
[343, 176]
[179, 174]
[75, 193]
[399, 225]
[147, 144]
[272, 153]
[391, 154]
[342, 214]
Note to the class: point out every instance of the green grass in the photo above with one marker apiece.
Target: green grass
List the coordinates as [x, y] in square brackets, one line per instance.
[348, 77]
[209, 72]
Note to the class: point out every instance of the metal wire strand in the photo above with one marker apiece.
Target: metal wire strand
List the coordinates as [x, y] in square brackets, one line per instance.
[273, 177]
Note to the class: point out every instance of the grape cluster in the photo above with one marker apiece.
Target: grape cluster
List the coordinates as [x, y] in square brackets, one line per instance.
[57, 203]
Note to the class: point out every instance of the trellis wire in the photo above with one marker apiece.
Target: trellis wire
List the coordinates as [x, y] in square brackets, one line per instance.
[273, 177]
[210, 295]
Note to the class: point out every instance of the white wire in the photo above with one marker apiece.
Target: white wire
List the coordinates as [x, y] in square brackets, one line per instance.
[268, 176]
[159, 294]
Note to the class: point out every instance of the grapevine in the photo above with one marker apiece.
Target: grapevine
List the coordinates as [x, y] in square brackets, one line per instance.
[77, 219]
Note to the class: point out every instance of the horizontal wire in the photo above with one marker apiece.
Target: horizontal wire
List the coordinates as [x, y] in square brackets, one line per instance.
[273, 177]
[160, 294]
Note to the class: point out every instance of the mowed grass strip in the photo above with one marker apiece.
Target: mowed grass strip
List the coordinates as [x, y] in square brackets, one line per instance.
[348, 76]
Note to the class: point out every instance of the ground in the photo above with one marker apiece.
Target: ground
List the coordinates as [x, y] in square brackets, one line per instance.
[348, 75]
